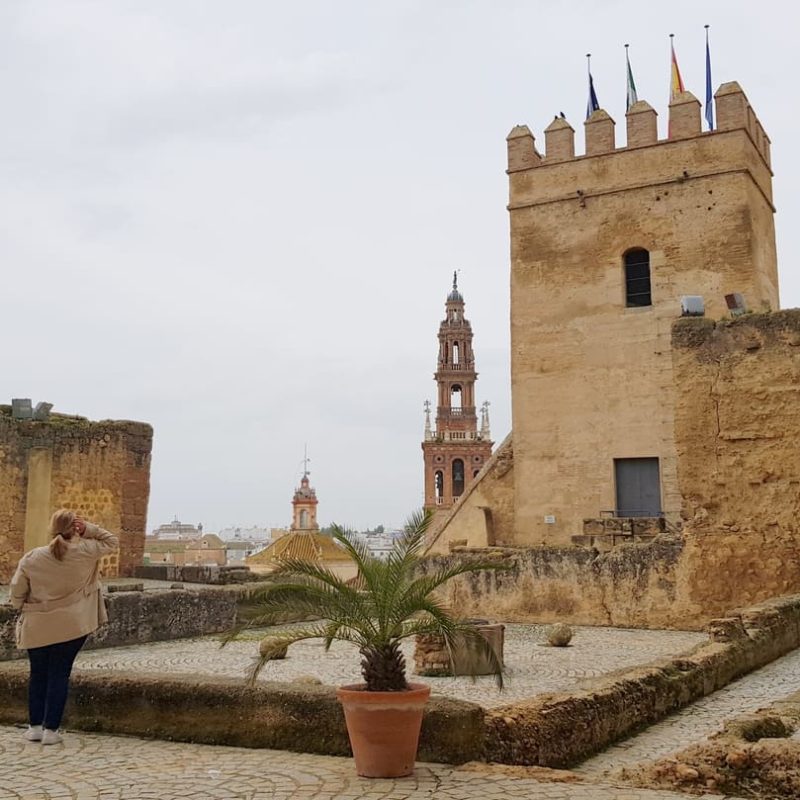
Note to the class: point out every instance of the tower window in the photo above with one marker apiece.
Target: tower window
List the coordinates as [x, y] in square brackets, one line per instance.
[455, 396]
[458, 477]
[438, 484]
[455, 352]
[637, 278]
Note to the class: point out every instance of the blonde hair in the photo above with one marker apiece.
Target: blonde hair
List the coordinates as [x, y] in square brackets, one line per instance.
[62, 529]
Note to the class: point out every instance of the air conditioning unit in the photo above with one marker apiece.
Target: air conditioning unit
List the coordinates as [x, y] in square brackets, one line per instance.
[21, 408]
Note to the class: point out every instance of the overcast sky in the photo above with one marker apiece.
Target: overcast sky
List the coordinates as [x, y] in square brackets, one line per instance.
[238, 220]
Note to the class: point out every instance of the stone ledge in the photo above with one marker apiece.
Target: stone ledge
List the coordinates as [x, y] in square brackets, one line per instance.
[559, 730]
[278, 716]
[138, 617]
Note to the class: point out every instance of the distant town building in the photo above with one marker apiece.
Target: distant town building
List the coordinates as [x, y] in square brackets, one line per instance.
[253, 533]
[178, 530]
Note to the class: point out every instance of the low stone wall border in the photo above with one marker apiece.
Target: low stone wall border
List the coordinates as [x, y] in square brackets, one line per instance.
[559, 730]
[281, 716]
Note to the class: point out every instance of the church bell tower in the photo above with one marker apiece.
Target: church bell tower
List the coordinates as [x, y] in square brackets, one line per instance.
[457, 449]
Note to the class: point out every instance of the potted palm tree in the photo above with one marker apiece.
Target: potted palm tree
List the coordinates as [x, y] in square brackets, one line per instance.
[391, 600]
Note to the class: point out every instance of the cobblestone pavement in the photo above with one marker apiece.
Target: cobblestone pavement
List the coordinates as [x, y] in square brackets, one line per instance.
[699, 720]
[531, 669]
[94, 767]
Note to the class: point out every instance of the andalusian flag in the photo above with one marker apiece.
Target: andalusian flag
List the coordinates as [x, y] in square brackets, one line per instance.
[632, 97]
[676, 82]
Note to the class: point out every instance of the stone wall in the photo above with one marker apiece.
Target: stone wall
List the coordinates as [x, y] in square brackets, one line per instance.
[98, 469]
[561, 729]
[280, 716]
[737, 428]
[139, 617]
[209, 574]
[632, 586]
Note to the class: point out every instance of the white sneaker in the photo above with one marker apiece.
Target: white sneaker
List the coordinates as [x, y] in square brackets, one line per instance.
[34, 733]
[50, 737]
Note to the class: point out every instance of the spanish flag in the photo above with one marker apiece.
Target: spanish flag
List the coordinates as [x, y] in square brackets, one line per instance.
[676, 82]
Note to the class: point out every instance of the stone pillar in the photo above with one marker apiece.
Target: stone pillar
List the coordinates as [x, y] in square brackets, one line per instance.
[684, 116]
[599, 132]
[521, 149]
[642, 121]
[559, 141]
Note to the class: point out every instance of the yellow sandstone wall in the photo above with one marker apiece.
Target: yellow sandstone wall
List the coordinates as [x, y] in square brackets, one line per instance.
[101, 470]
[737, 429]
[737, 426]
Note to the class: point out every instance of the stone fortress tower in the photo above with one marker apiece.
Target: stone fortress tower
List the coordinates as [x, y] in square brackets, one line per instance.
[603, 247]
[457, 449]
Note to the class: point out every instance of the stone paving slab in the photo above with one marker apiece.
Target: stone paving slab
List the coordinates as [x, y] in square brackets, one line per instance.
[701, 719]
[95, 767]
[531, 668]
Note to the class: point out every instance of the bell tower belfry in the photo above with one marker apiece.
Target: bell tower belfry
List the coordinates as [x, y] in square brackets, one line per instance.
[457, 449]
[304, 503]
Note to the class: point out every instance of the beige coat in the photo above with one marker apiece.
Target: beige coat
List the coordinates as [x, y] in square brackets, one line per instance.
[61, 600]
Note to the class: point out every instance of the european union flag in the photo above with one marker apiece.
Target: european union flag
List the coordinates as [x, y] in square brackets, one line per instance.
[592, 104]
[709, 94]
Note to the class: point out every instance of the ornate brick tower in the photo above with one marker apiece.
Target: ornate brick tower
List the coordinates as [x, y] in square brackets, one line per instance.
[304, 504]
[455, 452]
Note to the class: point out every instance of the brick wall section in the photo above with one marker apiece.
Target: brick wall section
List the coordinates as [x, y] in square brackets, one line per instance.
[99, 469]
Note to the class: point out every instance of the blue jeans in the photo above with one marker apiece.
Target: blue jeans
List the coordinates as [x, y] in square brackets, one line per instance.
[47, 691]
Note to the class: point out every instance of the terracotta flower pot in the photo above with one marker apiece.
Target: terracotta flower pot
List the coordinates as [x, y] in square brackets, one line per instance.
[384, 728]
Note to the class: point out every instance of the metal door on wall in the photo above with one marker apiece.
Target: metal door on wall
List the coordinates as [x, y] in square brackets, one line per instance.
[638, 487]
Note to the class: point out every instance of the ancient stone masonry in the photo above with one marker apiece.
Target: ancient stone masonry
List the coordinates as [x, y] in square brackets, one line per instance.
[99, 469]
[737, 425]
[603, 247]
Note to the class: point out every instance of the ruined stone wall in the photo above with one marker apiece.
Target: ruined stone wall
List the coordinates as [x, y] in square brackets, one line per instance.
[630, 587]
[99, 469]
[485, 513]
[737, 429]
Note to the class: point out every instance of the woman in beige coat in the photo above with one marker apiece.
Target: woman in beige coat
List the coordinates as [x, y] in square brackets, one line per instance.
[57, 590]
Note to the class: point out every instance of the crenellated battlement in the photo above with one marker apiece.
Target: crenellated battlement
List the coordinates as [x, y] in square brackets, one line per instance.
[733, 112]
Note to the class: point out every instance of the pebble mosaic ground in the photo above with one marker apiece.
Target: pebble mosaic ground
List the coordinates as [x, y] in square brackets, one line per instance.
[532, 668]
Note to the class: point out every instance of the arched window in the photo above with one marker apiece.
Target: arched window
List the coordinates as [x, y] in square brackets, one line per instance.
[637, 278]
[303, 519]
[438, 484]
[455, 353]
[455, 396]
[458, 477]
